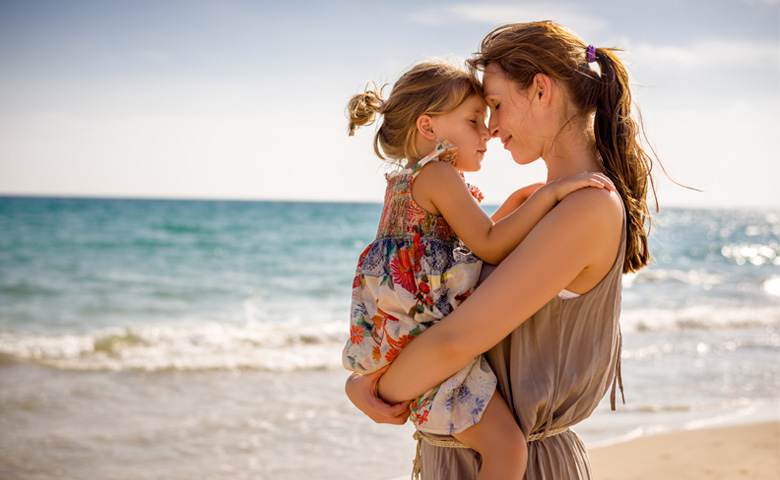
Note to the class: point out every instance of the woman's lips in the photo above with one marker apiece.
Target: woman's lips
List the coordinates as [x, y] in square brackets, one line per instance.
[506, 141]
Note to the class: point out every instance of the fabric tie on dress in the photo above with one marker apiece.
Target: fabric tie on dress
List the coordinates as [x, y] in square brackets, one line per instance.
[618, 380]
[451, 442]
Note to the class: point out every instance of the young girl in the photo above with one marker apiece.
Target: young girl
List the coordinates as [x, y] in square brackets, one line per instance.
[428, 252]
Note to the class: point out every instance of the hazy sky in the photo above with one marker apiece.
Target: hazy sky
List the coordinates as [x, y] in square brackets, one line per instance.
[230, 99]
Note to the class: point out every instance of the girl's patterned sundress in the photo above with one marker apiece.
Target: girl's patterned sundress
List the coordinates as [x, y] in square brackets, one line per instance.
[413, 274]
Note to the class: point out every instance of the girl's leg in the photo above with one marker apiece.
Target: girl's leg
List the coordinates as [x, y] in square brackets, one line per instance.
[499, 441]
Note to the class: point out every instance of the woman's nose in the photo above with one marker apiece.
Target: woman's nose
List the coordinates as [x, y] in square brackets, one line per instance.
[493, 125]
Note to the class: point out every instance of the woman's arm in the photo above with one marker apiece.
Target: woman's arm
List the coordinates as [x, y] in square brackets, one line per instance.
[440, 184]
[515, 200]
[568, 240]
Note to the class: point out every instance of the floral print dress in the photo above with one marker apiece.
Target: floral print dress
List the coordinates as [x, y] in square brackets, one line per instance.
[413, 274]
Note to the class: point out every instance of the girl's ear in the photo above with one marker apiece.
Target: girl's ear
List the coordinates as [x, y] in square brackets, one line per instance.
[425, 127]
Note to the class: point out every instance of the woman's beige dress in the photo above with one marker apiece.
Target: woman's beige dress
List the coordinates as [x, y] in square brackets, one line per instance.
[553, 371]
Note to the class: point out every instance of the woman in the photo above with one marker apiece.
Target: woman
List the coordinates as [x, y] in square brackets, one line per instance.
[555, 354]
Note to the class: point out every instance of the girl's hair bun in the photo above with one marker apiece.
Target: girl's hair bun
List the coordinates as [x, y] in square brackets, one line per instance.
[364, 107]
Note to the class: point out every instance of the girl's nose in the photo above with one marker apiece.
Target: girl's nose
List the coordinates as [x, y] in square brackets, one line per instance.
[484, 133]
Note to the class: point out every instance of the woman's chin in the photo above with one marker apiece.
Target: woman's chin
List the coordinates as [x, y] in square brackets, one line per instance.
[521, 159]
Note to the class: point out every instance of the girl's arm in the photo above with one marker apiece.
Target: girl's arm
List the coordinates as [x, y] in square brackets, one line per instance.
[442, 186]
[568, 240]
[515, 200]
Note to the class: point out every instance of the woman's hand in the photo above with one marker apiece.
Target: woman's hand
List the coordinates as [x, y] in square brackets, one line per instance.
[362, 392]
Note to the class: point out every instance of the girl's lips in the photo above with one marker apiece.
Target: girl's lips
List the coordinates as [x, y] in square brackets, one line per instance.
[506, 141]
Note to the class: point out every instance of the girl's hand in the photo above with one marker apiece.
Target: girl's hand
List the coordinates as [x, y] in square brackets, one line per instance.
[362, 392]
[564, 186]
[517, 198]
[522, 194]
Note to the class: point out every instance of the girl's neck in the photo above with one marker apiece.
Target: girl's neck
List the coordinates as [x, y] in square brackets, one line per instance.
[411, 162]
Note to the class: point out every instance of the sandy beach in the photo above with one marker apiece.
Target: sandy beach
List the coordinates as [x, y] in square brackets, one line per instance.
[749, 451]
[745, 451]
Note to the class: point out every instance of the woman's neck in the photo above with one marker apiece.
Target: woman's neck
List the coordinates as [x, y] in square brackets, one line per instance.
[572, 152]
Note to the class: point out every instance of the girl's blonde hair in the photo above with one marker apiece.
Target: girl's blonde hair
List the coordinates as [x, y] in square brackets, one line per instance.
[524, 49]
[432, 88]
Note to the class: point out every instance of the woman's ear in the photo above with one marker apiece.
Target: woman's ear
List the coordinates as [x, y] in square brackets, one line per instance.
[425, 127]
[542, 88]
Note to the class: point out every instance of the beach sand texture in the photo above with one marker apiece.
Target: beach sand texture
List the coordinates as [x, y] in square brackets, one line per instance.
[735, 452]
[724, 453]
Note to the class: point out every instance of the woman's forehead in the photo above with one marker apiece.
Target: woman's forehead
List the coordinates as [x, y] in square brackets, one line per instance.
[493, 79]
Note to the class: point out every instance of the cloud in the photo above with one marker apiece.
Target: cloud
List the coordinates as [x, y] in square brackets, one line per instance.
[707, 54]
[496, 14]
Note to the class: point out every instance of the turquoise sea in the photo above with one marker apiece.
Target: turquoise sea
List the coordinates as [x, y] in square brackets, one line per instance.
[201, 339]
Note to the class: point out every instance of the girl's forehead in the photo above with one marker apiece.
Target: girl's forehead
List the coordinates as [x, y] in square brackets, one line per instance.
[475, 102]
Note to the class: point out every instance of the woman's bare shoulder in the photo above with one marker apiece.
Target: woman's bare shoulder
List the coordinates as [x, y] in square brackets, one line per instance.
[603, 208]
[593, 218]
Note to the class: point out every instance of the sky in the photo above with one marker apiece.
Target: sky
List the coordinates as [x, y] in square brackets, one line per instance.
[246, 100]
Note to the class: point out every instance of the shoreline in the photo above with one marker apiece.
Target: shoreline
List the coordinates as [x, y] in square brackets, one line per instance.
[242, 415]
[751, 414]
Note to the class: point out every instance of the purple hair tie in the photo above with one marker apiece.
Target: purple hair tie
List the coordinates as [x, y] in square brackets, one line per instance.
[590, 53]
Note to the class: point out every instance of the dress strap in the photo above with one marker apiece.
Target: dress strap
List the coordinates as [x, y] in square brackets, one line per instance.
[444, 151]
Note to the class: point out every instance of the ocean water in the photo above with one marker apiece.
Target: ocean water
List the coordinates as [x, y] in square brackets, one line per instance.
[182, 339]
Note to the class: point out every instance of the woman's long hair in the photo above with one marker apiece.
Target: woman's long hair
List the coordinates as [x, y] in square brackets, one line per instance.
[523, 50]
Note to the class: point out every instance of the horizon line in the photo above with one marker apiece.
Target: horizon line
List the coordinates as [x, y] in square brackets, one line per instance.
[87, 196]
